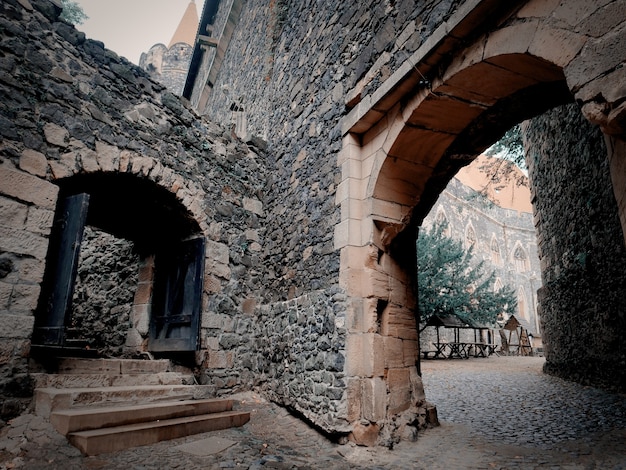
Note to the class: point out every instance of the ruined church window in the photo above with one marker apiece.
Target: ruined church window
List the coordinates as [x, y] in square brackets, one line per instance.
[442, 221]
[520, 259]
[521, 303]
[495, 252]
[470, 237]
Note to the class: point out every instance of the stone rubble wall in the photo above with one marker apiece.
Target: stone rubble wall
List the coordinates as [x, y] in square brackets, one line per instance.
[581, 249]
[290, 65]
[71, 107]
[293, 351]
[104, 291]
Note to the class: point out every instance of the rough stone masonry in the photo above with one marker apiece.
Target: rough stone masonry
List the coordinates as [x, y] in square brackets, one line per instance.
[357, 116]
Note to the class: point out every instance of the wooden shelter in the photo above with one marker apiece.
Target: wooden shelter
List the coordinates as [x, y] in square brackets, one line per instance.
[518, 344]
[447, 320]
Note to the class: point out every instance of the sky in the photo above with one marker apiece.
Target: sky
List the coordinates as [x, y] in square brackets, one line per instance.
[130, 27]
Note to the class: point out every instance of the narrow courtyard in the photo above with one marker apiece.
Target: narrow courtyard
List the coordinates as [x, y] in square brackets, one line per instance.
[498, 412]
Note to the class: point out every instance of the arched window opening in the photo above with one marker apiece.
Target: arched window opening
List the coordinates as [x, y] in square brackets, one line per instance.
[522, 305]
[442, 220]
[496, 259]
[470, 237]
[520, 259]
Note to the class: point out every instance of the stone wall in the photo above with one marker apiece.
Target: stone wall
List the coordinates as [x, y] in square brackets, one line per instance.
[103, 294]
[70, 110]
[293, 351]
[582, 303]
[290, 66]
[168, 66]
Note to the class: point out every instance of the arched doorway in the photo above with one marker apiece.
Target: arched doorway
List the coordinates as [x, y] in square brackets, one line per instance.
[165, 237]
[403, 146]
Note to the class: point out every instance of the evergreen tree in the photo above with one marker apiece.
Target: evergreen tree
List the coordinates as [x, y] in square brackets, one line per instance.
[73, 12]
[450, 280]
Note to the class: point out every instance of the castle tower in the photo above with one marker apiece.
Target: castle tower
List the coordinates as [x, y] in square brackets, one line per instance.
[169, 65]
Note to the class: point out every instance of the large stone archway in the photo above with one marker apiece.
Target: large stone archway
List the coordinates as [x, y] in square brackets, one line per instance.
[402, 144]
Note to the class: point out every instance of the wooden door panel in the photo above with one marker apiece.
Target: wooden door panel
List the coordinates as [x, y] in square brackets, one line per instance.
[61, 266]
[177, 297]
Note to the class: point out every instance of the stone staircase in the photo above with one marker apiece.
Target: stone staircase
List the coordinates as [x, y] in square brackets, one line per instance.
[105, 405]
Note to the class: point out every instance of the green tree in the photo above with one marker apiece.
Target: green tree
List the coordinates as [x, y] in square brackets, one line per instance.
[451, 280]
[510, 147]
[73, 12]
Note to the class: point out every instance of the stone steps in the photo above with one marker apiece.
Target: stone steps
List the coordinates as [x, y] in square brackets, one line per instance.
[98, 441]
[84, 419]
[108, 380]
[51, 399]
[104, 405]
[78, 366]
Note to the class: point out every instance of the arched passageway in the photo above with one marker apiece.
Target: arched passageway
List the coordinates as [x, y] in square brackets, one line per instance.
[405, 142]
[164, 234]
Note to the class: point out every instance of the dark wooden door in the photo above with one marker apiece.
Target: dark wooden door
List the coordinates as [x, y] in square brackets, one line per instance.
[62, 263]
[177, 297]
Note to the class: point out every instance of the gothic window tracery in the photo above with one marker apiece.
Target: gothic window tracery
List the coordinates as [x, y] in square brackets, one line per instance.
[495, 252]
[520, 259]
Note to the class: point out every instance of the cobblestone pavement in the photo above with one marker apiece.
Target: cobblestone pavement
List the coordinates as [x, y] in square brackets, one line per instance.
[495, 413]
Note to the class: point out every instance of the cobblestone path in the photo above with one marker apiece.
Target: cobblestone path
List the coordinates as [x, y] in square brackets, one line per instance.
[495, 413]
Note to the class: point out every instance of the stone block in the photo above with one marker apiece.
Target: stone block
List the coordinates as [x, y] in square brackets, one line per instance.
[218, 269]
[394, 352]
[603, 20]
[219, 360]
[16, 326]
[88, 160]
[365, 434]
[374, 399]
[557, 46]
[108, 156]
[356, 257]
[12, 213]
[34, 162]
[595, 59]
[146, 270]
[39, 220]
[141, 165]
[134, 340]
[354, 391]
[253, 205]
[365, 355]
[141, 318]
[31, 270]
[248, 306]
[6, 289]
[410, 352]
[28, 188]
[399, 383]
[217, 252]
[417, 386]
[143, 294]
[212, 284]
[56, 135]
[24, 298]
[23, 242]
